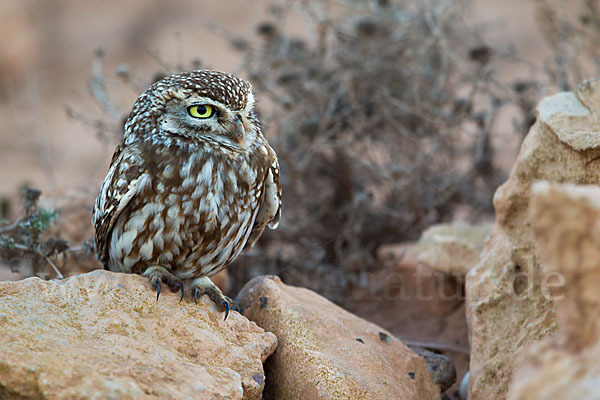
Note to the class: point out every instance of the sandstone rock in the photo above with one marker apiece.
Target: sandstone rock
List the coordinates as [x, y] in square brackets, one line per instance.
[420, 306]
[103, 335]
[400, 255]
[452, 248]
[566, 222]
[327, 353]
[413, 290]
[506, 308]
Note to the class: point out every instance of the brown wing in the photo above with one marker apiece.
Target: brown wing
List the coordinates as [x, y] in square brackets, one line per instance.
[269, 212]
[123, 181]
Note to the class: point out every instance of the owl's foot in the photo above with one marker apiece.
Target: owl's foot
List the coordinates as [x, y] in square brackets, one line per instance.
[158, 274]
[205, 286]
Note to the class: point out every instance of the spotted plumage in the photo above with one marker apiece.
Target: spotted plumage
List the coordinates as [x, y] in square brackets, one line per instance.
[185, 193]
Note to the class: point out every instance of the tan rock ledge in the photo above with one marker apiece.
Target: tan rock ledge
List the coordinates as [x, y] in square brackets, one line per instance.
[103, 335]
[573, 116]
[452, 248]
[506, 306]
[566, 222]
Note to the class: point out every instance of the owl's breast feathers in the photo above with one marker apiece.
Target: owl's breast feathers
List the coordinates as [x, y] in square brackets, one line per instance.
[192, 208]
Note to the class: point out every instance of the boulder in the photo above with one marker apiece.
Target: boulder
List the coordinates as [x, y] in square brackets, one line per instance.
[566, 224]
[412, 289]
[452, 248]
[103, 335]
[420, 306]
[506, 307]
[326, 352]
[398, 255]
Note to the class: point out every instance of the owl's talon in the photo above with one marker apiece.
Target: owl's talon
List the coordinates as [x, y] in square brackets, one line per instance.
[205, 286]
[182, 291]
[157, 285]
[158, 275]
[226, 305]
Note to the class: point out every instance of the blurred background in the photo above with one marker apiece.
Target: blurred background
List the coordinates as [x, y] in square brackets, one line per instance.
[387, 116]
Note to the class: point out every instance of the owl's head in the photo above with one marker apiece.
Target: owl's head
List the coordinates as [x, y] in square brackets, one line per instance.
[209, 105]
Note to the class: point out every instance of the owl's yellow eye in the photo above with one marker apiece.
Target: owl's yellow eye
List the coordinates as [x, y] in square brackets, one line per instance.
[201, 111]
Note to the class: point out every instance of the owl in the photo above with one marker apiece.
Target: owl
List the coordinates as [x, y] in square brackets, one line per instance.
[192, 183]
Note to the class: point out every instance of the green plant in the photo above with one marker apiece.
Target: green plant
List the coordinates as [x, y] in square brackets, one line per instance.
[24, 245]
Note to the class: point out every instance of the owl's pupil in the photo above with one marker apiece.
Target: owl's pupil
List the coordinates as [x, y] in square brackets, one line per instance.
[201, 109]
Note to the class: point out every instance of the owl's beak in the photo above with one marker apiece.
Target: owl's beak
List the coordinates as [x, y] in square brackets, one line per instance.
[239, 130]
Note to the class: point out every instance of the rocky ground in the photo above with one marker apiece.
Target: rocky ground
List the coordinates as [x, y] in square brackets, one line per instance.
[527, 330]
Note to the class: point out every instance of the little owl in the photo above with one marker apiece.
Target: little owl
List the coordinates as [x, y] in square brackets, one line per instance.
[192, 183]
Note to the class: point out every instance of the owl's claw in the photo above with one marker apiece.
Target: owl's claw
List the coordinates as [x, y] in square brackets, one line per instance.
[182, 291]
[226, 304]
[158, 275]
[205, 286]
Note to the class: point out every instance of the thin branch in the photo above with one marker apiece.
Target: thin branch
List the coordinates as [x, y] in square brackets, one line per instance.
[9, 228]
[58, 274]
[20, 246]
[97, 86]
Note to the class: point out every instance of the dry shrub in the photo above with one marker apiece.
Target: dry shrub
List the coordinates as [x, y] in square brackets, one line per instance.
[383, 118]
[374, 123]
[25, 245]
[574, 43]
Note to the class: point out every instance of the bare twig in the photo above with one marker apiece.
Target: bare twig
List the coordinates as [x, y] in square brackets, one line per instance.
[9, 228]
[58, 274]
[97, 87]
